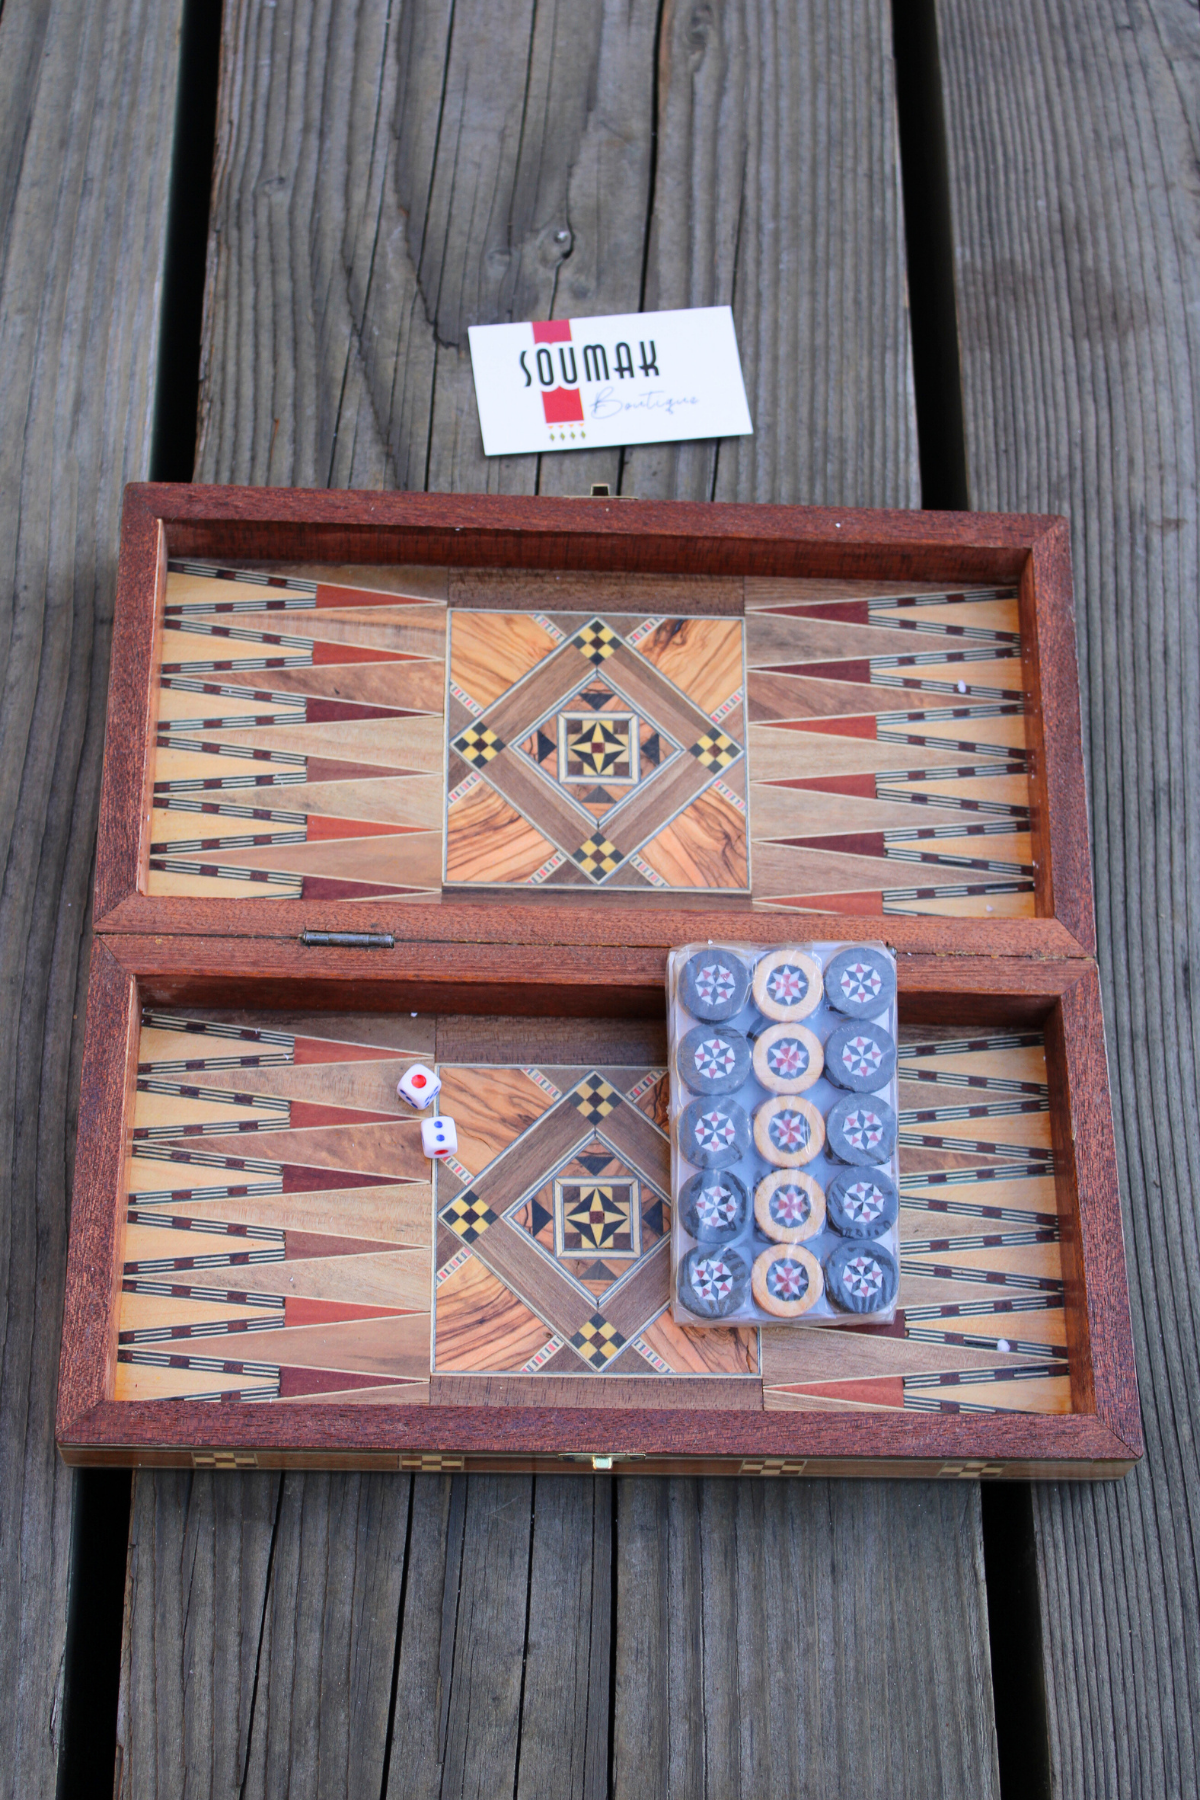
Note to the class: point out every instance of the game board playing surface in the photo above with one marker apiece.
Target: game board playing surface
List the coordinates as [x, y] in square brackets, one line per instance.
[818, 747]
[284, 1241]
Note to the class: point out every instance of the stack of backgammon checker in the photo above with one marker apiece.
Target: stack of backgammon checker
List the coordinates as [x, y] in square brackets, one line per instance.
[784, 1139]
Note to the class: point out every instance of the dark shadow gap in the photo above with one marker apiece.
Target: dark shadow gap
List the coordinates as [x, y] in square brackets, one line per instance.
[92, 1652]
[177, 380]
[613, 1599]
[1015, 1632]
[925, 174]
[391, 1718]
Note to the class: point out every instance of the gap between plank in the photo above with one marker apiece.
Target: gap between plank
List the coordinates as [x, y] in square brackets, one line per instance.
[92, 1653]
[929, 236]
[177, 378]
[1015, 1634]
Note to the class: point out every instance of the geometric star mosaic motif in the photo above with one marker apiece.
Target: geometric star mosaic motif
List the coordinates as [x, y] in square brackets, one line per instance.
[572, 1272]
[602, 764]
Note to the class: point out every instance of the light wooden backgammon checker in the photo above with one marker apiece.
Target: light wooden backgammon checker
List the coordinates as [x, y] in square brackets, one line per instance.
[399, 780]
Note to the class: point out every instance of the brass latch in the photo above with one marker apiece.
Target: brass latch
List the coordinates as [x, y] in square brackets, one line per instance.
[224, 1459]
[429, 1462]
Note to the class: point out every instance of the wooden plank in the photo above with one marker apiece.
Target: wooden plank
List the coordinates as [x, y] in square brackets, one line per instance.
[1072, 134]
[199, 1554]
[763, 1633]
[777, 192]
[87, 100]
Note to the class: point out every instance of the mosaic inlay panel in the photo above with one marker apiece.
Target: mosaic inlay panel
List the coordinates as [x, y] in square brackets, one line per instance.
[283, 1242]
[613, 755]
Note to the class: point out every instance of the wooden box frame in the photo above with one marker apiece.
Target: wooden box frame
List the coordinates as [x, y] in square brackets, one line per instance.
[579, 960]
[665, 537]
[1101, 1436]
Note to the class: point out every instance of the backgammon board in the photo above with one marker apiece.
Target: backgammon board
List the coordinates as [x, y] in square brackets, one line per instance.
[411, 778]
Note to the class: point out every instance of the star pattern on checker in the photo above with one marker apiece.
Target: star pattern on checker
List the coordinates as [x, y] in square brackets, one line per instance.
[714, 1129]
[716, 983]
[790, 1206]
[787, 1279]
[712, 1278]
[716, 1206]
[607, 768]
[787, 1058]
[861, 1056]
[863, 1128]
[860, 983]
[714, 1058]
[862, 1276]
[787, 985]
[789, 1130]
[863, 1202]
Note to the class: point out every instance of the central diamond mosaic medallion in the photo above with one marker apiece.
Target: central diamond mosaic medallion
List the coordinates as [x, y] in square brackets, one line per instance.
[597, 748]
[596, 752]
[593, 1218]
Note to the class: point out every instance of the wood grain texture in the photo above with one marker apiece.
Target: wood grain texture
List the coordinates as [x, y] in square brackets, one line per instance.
[281, 1659]
[797, 1638]
[86, 109]
[1073, 135]
[773, 124]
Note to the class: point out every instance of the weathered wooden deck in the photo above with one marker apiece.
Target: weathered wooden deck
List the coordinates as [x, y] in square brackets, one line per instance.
[386, 172]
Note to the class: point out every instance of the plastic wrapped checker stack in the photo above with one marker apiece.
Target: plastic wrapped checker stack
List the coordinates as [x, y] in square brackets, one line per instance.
[784, 1163]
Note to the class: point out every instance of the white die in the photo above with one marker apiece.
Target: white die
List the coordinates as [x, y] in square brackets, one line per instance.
[419, 1085]
[439, 1139]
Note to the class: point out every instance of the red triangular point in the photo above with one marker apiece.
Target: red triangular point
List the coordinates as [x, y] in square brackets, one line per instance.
[328, 887]
[880, 1391]
[331, 595]
[304, 1246]
[864, 905]
[859, 725]
[321, 829]
[335, 1312]
[325, 652]
[295, 1383]
[326, 768]
[305, 1115]
[328, 1050]
[860, 787]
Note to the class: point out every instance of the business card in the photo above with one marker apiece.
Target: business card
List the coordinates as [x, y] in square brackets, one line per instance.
[627, 378]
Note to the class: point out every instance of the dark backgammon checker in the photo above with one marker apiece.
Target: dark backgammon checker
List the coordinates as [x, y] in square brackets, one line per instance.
[783, 1134]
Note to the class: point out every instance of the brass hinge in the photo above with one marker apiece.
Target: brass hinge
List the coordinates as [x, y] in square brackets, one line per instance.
[430, 1462]
[348, 940]
[774, 1465]
[224, 1459]
[969, 1471]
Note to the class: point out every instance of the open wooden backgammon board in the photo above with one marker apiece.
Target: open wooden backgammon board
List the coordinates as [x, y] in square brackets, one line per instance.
[397, 778]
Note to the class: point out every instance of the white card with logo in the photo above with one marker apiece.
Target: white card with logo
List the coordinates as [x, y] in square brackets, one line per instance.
[629, 378]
